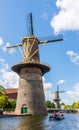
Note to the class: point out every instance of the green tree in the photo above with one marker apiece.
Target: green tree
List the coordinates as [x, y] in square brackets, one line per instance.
[62, 104]
[12, 103]
[68, 106]
[1, 89]
[3, 100]
[5, 103]
[50, 104]
[75, 105]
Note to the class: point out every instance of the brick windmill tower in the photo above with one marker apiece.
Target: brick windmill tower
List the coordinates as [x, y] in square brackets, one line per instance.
[57, 98]
[31, 99]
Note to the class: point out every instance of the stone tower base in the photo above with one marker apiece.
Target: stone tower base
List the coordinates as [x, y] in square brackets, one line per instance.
[30, 99]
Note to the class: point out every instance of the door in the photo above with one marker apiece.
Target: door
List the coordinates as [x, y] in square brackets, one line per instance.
[24, 110]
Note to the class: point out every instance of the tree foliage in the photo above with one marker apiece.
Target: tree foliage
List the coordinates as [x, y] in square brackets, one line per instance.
[12, 103]
[3, 100]
[68, 106]
[5, 103]
[1, 89]
[50, 104]
[62, 104]
[75, 105]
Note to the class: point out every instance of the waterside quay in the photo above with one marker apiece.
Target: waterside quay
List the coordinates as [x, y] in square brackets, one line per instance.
[51, 110]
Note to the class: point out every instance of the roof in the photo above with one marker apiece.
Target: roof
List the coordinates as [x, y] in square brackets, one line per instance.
[11, 93]
[10, 90]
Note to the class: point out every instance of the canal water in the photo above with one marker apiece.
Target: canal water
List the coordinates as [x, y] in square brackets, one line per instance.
[70, 122]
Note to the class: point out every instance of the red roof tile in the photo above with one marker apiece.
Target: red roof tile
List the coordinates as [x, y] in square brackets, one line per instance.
[10, 90]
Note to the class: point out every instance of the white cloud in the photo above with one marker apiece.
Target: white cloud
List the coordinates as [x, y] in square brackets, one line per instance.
[60, 82]
[10, 50]
[74, 57]
[74, 94]
[2, 60]
[67, 17]
[47, 85]
[1, 41]
[47, 89]
[76, 87]
[4, 47]
[71, 94]
[48, 95]
[8, 79]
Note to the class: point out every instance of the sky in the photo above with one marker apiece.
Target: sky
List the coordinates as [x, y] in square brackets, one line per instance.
[50, 18]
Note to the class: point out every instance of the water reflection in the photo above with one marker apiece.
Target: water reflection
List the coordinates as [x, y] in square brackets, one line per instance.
[70, 122]
[31, 123]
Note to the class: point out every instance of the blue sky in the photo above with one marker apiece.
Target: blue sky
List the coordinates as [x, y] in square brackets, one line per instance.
[50, 17]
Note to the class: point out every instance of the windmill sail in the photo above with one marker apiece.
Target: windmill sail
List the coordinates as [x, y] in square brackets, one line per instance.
[51, 39]
[30, 24]
[14, 46]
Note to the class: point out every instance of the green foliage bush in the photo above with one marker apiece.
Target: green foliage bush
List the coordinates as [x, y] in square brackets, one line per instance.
[5, 103]
[50, 104]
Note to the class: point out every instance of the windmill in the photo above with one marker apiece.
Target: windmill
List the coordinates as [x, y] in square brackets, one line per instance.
[57, 98]
[31, 99]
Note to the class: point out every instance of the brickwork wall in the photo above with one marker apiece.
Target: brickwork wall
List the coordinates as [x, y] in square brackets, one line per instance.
[31, 92]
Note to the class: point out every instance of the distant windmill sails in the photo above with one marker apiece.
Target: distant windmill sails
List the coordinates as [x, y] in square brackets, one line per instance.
[57, 98]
